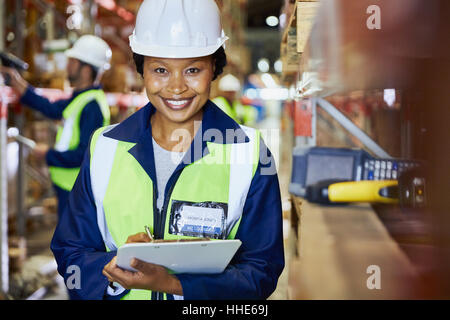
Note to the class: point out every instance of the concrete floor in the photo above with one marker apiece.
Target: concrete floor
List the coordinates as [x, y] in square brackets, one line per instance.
[38, 275]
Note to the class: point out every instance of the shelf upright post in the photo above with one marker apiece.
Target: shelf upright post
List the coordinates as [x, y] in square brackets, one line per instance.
[4, 259]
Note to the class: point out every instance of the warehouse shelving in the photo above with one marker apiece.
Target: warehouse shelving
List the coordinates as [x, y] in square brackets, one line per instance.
[345, 56]
[295, 35]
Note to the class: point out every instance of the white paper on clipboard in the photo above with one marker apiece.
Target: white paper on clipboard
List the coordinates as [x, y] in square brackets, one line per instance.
[181, 257]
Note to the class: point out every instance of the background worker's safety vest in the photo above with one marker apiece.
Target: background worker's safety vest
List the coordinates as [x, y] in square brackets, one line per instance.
[242, 114]
[126, 199]
[249, 114]
[68, 135]
[225, 106]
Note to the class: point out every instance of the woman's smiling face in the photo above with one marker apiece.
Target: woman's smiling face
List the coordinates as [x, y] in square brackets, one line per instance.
[178, 88]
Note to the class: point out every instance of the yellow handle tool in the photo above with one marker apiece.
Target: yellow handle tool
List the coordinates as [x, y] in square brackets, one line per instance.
[384, 191]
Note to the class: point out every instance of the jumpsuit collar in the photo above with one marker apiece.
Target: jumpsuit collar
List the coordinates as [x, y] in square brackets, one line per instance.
[214, 120]
[137, 129]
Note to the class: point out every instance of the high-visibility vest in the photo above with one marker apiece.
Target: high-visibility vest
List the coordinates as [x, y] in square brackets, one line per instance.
[225, 106]
[68, 135]
[249, 114]
[242, 114]
[123, 190]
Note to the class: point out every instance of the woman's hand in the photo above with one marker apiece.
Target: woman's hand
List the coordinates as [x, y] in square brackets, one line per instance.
[138, 237]
[149, 276]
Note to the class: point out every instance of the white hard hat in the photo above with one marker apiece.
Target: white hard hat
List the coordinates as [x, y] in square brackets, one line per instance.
[92, 50]
[229, 83]
[177, 29]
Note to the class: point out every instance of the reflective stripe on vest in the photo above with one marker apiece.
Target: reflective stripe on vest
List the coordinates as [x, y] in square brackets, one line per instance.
[123, 191]
[68, 136]
[100, 172]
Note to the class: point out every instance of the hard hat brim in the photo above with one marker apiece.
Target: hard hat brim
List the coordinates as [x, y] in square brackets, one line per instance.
[174, 52]
[74, 54]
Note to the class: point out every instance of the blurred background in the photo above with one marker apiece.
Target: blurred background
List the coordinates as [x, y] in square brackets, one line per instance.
[342, 91]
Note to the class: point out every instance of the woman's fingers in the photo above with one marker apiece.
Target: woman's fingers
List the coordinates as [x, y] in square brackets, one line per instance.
[138, 237]
[116, 274]
[145, 267]
[107, 275]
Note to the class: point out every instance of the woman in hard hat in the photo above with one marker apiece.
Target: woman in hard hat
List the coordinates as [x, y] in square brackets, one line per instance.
[82, 113]
[179, 165]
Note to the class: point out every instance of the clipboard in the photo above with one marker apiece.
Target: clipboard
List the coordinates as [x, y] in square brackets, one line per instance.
[181, 257]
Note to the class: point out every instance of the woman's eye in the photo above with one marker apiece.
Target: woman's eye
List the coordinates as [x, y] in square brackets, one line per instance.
[160, 70]
[192, 70]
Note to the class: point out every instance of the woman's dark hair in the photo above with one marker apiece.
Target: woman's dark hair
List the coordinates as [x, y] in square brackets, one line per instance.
[219, 57]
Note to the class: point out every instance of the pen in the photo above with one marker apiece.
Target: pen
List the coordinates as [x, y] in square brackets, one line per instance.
[147, 229]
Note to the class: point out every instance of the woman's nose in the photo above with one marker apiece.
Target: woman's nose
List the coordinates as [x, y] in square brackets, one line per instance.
[177, 84]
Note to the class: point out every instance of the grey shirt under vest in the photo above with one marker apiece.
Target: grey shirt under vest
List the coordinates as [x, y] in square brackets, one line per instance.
[165, 164]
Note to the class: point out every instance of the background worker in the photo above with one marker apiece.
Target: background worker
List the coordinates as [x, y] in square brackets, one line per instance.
[112, 200]
[84, 112]
[228, 100]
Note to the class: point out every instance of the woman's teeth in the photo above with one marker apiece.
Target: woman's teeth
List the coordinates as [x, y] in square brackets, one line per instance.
[177, 103]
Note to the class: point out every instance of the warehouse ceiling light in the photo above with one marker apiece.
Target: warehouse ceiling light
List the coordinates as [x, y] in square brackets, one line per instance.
[272, 21]
[278, 66]
[263, 65]
[389, 97]
[283, 20]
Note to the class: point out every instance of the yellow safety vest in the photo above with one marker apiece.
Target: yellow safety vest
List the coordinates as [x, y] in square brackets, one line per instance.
[68, 135]
[126, 200]
[242, 114]
[224, 105]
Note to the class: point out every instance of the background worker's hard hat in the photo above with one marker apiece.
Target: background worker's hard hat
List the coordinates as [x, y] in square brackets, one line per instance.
[229, 83]
[177, 29]
[92, 50]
